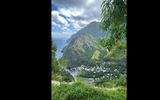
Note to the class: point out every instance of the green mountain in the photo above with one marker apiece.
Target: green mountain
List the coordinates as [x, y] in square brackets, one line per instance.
[82, 45]
[92, 29]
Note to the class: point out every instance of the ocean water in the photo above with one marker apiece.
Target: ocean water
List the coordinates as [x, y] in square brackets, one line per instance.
[61, 43]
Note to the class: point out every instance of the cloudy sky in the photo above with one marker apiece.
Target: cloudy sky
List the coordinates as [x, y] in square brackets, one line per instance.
[69, 16]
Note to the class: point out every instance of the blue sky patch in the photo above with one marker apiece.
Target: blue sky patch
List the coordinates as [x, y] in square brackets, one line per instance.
[54, 7]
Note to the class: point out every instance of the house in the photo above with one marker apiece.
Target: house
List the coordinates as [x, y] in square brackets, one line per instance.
[91, 79]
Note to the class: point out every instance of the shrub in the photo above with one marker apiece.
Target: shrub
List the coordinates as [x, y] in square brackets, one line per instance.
[122, 81]
[108, 85]
[79, 91]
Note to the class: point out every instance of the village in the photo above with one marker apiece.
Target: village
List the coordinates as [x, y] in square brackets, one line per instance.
[93, 72]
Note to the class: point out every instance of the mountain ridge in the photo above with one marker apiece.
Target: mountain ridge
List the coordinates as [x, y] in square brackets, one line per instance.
[82, 45]
[88, 29]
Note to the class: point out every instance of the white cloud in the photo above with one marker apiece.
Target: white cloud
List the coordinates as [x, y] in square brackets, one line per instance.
[78, 12]
[62, 20]
[58, 20]
[61, 24]
[90, 1]
[71, 20]
[63, 35]
[71, 12]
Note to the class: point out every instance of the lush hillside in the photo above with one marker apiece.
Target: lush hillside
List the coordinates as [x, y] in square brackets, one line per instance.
[79, 91]
[58, 67]
[82, 45]
[92, 29]
[98, 59]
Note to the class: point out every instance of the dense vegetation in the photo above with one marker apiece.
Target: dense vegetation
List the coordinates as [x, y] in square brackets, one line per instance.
[121, 81]
[114, 16]
[58, 67]
[113, 67]
[79, 91]
[101, 56]
[83, 45]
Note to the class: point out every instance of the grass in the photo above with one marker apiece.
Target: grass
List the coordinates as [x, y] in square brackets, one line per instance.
[80, 91]
[122, 81]
[80, 79]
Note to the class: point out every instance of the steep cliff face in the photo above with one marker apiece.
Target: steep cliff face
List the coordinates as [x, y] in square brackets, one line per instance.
[82, 45]
[92, 29]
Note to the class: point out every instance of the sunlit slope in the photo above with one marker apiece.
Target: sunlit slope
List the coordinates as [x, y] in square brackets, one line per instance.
[82, 45]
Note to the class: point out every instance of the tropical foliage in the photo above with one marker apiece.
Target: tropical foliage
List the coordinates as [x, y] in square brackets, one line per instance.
[114, 16]
[83, 46]
[100, 57]
[80, 91]
[55, 64]
[58, 67]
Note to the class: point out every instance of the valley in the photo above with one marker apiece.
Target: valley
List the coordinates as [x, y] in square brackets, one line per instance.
[91, 62]
[84, 62]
